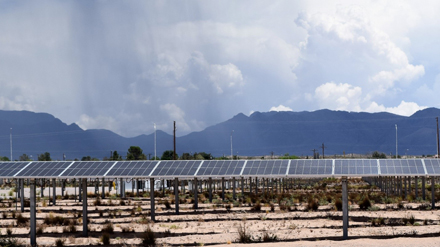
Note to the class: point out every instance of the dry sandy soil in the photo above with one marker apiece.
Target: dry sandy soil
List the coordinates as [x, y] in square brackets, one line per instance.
[213, 224]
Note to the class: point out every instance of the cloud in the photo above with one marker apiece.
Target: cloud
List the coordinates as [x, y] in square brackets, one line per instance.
[99, 122]
[338, 96]
[121, 65]
[348, 46]
[349, 98]
[403, 109]
[279, 108]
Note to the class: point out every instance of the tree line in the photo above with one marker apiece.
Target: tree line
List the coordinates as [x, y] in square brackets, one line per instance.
[133, 153]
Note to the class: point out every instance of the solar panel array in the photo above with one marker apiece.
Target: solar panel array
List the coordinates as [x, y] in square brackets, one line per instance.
[220, 168]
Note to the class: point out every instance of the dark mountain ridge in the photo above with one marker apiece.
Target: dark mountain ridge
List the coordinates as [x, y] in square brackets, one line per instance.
[256, 135]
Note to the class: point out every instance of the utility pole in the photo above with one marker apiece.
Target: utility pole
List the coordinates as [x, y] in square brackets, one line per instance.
[174, 141]
[396, 143]
[323, 151]
[438, 146]
[10, 140]
[314, 153]
[232, 155]
[155, 141]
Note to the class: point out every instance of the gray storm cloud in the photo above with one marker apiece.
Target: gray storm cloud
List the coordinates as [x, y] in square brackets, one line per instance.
[126, 65]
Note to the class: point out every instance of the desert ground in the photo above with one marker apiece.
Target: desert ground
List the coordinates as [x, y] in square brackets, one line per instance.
[305, 214]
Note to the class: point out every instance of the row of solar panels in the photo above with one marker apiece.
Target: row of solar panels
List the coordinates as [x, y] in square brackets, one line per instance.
[220, 168]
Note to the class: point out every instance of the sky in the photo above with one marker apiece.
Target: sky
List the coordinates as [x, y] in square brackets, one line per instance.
[125, 65]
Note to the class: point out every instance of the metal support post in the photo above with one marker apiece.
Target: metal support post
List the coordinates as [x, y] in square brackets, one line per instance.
[423, 188]
[223, 189]
[176, 192]
[433, 192]
[153, 216]
[22, 194]
[416, 185]
[233, 188]
[54, 185]
[196, 190]
[344, 208]
[210, 189]
[84, 195]
[242, 187]
[121, 188]
[103, 188]
[33, 213]
[405, 187]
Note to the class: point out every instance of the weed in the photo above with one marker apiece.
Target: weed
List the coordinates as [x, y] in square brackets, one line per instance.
[338, 204]
[60, 242]
[148, 238]
[105, 238]
[21, 220]
[40, 229]
[365, 203]
[267, 237]
[256, 207]
[243, 235]
[108, 228]
[312, 205]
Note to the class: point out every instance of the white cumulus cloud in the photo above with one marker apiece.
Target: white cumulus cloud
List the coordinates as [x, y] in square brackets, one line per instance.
[280, 108]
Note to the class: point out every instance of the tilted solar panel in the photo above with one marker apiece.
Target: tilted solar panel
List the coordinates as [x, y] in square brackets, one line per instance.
[309, 168]
[45, 169]
[87, 169]
[138, 169]
[9, 169]
[216, 168]
[265, 168]
[176, 168]
[356, 167]
[398, 167]
[432, 166]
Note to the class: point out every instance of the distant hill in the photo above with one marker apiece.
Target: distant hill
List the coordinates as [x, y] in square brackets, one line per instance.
[259, 134]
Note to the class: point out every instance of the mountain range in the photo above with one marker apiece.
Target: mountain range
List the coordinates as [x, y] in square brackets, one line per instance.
[260, 134]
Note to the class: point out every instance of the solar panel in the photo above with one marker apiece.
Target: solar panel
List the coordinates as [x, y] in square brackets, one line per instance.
[87, 169]
[176, 168]
[217, 168]
[309, 168]
[265, 168]
[9, 169]
[132, 169]
[401, 167]
[432, 166]
[358, 167]
[45, 169]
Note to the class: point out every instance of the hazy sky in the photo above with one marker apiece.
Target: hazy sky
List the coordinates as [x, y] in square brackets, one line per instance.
[124, 65]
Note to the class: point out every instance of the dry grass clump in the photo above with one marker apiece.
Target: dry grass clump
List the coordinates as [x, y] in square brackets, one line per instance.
[243, 235]
[148, 238]
[256, 207]
[54, 220]
[312, 204]
[21, 221]
[108, 228]
[365, 203]
[105, 238]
